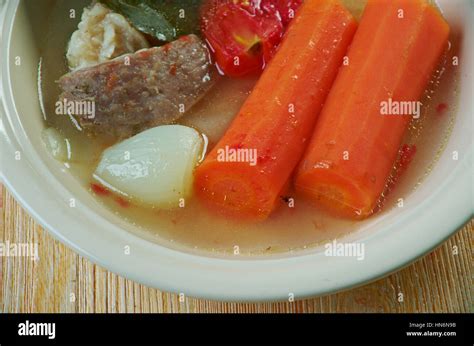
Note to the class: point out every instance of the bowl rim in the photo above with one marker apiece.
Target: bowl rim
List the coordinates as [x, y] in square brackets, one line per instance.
[268, 279]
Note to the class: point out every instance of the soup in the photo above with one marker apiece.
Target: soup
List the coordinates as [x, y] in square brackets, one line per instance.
[295, 222]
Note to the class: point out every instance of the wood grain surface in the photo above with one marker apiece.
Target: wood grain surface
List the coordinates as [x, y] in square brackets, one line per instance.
[62, 281]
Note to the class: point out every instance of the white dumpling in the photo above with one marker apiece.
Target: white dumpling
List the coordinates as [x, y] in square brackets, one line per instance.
[154, 167]
[101, 36]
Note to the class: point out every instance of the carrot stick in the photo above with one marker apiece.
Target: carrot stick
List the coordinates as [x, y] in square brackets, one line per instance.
[278, 117]
[393, 55]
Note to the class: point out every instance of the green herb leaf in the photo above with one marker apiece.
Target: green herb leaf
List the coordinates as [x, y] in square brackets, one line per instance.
[144, 17]
[183, 14]
[165, 20]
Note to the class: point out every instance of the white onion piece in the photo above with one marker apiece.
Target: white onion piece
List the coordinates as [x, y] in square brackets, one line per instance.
[154, 167]
[56, 144]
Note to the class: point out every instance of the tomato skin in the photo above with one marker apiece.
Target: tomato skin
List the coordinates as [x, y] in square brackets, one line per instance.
[286, 8]
[242, 37]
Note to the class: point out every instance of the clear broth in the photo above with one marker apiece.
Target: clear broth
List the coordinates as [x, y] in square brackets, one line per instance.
[193, 226]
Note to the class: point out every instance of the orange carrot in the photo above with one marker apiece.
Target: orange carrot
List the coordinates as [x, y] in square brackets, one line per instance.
[391, 60]
[278, 117]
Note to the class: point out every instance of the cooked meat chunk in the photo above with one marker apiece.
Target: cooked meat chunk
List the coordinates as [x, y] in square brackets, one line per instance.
[137, 91]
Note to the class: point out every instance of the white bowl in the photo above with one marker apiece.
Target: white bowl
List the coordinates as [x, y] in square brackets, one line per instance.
[440, 206]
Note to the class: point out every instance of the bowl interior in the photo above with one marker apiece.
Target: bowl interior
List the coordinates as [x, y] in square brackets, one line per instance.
[27, 47]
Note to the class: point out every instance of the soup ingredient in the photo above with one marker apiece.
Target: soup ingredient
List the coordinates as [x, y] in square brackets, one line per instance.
[102, 191]
[246, 171]
[102, 35]
[153, 168]
[165, 20]
[56, 144]
[243, 38]
[440, 108]
[122, 202]
[99, 190]
[354, 146]
[142, 90]
[286, 8]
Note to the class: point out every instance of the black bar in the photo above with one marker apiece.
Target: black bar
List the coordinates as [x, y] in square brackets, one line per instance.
[291, 329]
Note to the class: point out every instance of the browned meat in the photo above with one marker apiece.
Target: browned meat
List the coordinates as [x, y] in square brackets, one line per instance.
[141, 90]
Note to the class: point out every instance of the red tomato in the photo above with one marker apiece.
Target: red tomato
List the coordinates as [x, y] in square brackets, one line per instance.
[285, 8]
[243, 37]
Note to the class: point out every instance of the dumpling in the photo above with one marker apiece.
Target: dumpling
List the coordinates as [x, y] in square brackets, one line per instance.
[102, 35]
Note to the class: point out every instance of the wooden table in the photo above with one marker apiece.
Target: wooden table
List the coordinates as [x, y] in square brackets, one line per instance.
[63, 281]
